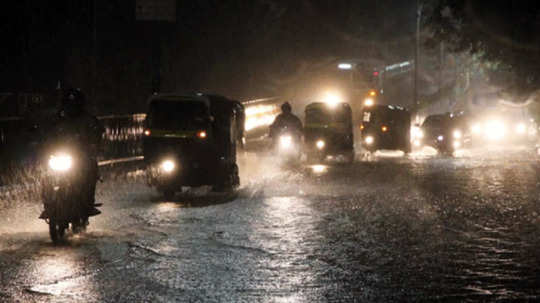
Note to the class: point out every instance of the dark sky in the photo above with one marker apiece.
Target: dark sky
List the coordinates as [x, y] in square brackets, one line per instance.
[238, 48]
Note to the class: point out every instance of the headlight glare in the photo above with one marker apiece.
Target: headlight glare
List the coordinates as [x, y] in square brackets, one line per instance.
[320, 144]
[369, 140]
[61, 162]
[521, 128]
[285, 141]
[168, 166]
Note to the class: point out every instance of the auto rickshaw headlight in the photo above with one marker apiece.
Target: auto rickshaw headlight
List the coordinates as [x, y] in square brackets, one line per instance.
[369, 140]
[369, 102]
[201, 134]
[60, 162]
[320, 144]
[457, 134]
[168, 166]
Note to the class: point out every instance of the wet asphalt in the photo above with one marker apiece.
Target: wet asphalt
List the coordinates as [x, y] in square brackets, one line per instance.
[386, 228]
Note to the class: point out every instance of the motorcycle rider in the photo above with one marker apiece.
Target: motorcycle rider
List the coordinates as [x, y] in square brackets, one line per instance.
[286, 120]
[73, 119]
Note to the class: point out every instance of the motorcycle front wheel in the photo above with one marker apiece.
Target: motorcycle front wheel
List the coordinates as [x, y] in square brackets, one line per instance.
[56, 230]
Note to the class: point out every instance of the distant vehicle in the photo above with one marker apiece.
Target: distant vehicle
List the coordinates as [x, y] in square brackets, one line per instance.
[444, 132]
[190, 140]
[503, 127]
[328, 131]
[385, 127]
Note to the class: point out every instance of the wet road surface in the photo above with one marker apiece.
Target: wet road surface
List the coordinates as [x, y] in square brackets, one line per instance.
[380, 230]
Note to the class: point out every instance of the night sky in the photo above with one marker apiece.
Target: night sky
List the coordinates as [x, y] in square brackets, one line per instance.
[243, 49]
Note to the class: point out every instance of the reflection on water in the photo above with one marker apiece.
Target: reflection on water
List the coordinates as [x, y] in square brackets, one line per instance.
[319, 169]
[389, 153]
[61, 271]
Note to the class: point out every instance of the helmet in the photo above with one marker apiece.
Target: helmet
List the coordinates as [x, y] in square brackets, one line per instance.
[73, 101]
[286, 107]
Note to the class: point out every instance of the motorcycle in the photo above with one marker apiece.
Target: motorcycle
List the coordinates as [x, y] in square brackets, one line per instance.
[67, 189]
[288, 144]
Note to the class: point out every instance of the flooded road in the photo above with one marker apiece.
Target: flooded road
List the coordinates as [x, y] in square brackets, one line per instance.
[384, 229]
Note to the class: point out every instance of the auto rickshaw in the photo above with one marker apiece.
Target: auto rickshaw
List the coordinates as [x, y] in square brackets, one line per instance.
[190, 140]
[385, 127]
[328, 131]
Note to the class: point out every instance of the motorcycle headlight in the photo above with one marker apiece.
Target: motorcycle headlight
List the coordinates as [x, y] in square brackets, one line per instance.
[457, 134]
[440, 138]
[320, 144]
[285, 141]
[168, 166]
[60, 162]
[369, 140]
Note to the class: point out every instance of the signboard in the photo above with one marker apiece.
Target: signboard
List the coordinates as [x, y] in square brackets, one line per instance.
[155, 10]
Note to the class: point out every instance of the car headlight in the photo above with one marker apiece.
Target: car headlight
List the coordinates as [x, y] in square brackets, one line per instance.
[320, 144]
[369, 140]
[60, 162]
[457, 134]
[168, 166]
[285, 141]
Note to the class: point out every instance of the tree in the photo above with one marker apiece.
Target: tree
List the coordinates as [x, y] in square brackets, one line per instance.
[502, 33]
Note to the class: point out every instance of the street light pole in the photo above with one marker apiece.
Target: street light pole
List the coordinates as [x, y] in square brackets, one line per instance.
[418, 10]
